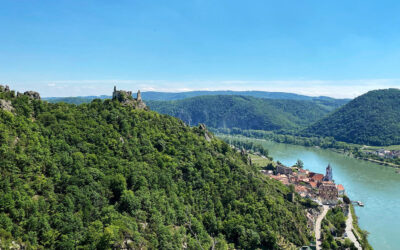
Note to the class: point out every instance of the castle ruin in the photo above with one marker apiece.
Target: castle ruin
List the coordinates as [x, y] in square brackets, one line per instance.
[126, 99]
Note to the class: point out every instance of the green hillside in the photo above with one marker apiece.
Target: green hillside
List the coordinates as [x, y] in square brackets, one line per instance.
[243, 112]
[370, 119]
[103, 175]
[326, 102]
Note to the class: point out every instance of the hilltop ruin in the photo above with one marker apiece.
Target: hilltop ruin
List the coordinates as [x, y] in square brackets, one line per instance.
[126, 98]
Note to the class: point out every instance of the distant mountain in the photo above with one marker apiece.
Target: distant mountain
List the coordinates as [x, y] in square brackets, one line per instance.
[328, 102]
[75, 100]
[245, 112]
[166, 96]
[371, 119]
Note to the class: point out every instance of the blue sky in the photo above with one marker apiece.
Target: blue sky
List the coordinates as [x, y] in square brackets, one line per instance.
[69, 48]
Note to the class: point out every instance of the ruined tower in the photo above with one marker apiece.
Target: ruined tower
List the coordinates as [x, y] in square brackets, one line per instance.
[125, 98]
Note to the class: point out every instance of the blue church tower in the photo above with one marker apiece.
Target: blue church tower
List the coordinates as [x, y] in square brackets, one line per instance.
[328, 176]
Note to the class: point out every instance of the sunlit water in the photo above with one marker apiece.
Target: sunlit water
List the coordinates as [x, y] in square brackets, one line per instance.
[376, 186]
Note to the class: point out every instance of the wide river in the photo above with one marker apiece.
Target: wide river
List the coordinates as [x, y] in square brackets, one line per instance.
[378, 187]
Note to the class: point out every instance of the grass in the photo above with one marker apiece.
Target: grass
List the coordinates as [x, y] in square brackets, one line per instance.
[260, 161]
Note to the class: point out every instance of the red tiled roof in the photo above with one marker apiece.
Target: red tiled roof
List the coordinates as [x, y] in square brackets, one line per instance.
[340, 187]
[299, 188]
[313, 184]
[317, 177]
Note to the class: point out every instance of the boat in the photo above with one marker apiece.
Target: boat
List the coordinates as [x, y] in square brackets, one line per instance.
[358, 203]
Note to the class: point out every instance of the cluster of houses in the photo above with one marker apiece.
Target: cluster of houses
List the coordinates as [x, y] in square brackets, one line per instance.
[390, 154]
[318, 187]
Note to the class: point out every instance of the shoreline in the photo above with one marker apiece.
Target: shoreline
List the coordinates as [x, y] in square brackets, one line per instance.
[382, 163]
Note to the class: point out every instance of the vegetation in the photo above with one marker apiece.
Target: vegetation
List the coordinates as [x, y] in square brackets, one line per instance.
[333, 228]
[327, 102]
[370, 119]
[102, 175]
[360, 234]
[257, 153]
[277, 136]
[353, 150]
[243, 112]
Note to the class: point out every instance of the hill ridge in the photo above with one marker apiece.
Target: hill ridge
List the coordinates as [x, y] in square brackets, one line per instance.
[370, 119]
[106, 175]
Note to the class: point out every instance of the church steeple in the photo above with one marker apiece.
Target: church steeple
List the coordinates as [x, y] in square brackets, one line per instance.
[328, 175]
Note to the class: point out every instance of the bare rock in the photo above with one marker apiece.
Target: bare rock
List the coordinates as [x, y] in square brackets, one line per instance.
[32, 94]
[207, 135]
[4, 88]
[6, 105]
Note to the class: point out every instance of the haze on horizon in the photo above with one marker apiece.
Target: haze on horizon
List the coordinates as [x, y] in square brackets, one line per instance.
[78, 48]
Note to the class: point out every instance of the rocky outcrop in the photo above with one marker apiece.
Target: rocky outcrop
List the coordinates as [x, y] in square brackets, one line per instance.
[32, 94]
[4, 88]
[6, 105]
[207, 135]
[125, 98]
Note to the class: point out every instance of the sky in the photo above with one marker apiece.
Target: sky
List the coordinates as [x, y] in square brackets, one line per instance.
[77, 48]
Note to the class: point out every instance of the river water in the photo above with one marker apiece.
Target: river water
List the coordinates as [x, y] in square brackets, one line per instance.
[378, 187]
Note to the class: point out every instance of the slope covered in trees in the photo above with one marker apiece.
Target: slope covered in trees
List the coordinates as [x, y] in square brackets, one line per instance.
[243, 112]
[371, 119]
[103, 175]
[323, 101]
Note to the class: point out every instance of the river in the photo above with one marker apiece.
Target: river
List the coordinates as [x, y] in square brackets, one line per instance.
[378, 187]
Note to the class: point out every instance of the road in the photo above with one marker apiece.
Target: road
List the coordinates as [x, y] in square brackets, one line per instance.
[349, 231]
[318, 226]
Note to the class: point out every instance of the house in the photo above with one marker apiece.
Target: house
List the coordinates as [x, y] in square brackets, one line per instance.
[280, 169]
[328, 192]
[313, 184]
[304, 171]
[301, 190]
[282, 178]
[316, 177]
[340, 189]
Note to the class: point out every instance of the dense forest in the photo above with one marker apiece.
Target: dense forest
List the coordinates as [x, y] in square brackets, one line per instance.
[243, 112]
[370, 119]
[328, 102]
[102, 175]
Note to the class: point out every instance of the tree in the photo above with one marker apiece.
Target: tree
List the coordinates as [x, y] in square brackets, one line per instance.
[299, 163]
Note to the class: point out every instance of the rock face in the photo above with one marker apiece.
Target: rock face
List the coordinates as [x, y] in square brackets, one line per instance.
[207, 135]
[6, 105]
[32, 94]
[4, 88]
[125, 98]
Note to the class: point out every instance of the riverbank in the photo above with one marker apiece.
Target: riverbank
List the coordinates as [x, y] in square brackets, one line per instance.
[351, 150]
[376, 186]
[350, 230]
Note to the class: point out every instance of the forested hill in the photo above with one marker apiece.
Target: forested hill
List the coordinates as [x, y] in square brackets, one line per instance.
[371, 119]
[103, 175]
[243, 112]
[327, 102]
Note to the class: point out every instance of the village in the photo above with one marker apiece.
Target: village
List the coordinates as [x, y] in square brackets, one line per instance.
[318, 187]
[388, 154]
